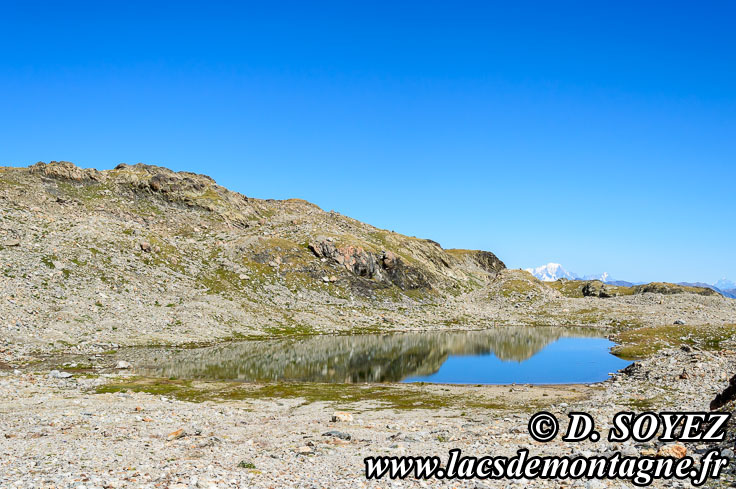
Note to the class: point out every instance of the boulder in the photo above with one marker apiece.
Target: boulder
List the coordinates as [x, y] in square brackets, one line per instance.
[55, 374]
[596, 288]
[338, 434]
[726, 396]
[341, 416]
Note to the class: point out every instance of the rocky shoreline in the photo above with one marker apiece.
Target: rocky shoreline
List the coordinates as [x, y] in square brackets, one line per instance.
[66, 430]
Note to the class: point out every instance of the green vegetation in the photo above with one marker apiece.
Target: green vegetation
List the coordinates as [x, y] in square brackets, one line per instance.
[49, 260]
[398, 397]
[519, 286]
[667, 289]
[289, 330]
[644, 342]
[568, 288]
[640, 404]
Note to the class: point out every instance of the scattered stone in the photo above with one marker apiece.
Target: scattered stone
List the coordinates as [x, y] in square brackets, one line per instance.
[342, 416]
[175, 435]
[122, 365]
[59, 375]
[675, 450]
[679, 322]
[338, 434]
[146, 246]
[628, 450]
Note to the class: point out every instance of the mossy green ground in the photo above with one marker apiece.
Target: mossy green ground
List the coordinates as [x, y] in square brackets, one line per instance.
[643, 342]
[396, 397]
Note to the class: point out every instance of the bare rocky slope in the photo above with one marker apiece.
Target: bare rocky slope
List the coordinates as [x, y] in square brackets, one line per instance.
[144, 255]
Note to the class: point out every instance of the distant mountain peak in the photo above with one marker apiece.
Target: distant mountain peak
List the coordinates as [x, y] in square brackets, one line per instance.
[725, 284]
[551, 272]
[554, 271]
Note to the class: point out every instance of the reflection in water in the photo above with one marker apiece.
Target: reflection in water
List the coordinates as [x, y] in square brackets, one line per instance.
[360, 358]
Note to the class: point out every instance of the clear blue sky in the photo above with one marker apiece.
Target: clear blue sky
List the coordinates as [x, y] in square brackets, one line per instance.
[601, 135]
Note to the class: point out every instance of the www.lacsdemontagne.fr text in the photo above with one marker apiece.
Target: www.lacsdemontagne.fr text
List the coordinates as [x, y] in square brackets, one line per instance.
[641, 471]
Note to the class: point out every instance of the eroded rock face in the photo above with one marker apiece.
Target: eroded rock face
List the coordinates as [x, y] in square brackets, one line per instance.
[385, 267]
[488, 261]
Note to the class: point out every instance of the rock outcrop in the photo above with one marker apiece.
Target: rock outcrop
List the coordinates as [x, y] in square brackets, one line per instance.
[670, 289]
[596, 288]
[385, 266]
[65, 170]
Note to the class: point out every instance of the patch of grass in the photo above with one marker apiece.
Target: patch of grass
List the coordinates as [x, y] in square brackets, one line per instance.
[396, 397]
[49, 260]
[669, 289]
[515, 287]
[644, 342]
[574, 288]
[568, 288]
[640, 405]
[289, 330]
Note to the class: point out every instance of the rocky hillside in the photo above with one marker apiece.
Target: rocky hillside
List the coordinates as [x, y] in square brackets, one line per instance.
[168, 250]
[144, 255]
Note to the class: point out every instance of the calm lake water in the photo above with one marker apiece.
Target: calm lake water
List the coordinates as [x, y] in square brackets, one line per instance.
[502, 355]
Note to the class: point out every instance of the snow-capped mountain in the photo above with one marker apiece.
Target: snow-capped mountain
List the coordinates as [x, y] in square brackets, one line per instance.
[603, 277]
[554, 271]
[551, 272]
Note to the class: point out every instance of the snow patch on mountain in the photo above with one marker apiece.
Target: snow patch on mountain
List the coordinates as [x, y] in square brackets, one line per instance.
[551, 272]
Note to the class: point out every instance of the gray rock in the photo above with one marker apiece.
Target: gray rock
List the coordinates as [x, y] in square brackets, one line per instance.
[338, 434]
[55, 374]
